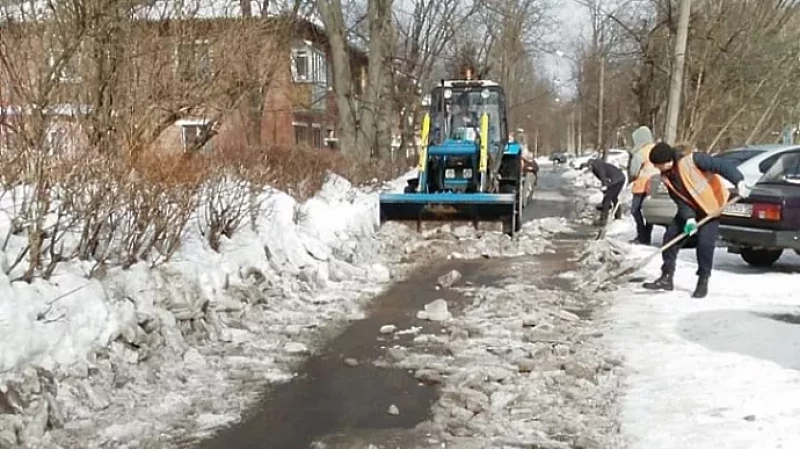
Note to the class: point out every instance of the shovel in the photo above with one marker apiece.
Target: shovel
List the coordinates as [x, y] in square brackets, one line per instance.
[643, 263]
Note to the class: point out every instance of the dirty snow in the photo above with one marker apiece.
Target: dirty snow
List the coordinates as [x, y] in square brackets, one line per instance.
[518, 366]
[144, 354]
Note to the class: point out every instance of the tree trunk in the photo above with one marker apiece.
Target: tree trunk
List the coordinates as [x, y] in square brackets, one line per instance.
[676, 84]
[347, 128]
[386, 115]
[600, 107]
[379, 14]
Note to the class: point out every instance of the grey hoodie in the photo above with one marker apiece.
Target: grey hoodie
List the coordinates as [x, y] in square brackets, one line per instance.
[641, 137]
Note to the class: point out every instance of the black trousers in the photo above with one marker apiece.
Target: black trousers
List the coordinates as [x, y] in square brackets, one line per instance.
[644, 230]
[706, 242]
[611, 196]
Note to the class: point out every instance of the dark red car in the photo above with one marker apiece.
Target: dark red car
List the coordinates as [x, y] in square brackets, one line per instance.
[761, 227]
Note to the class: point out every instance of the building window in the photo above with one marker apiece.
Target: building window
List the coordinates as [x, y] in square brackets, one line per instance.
[301, 134]
[193, 136]
[358, 81]
[309, 65]
[194, 61]
[301, 65]
[316, 133]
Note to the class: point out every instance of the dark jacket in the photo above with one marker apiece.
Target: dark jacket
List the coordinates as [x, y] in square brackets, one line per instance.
[608, 174]
[706, 163]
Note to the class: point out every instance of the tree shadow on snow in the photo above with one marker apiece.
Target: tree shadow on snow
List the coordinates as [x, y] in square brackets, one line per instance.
[767, 336]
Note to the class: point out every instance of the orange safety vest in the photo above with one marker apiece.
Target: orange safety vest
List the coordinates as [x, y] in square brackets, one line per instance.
[705, 189]
[642, 182]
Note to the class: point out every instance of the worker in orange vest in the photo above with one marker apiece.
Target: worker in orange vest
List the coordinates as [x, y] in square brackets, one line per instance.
[694, 183]
[640, 170]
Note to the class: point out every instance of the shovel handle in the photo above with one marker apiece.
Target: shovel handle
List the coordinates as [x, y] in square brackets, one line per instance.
[682, 236]
[705, 220]
[669, 244]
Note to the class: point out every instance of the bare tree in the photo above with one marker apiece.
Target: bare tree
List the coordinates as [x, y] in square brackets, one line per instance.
[424, 38]
[358, 124]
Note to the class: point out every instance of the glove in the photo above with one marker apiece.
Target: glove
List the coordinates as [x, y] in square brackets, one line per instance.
[744, 191]
[690, 227]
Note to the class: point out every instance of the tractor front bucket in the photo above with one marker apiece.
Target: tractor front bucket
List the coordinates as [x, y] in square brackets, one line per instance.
[443, 207]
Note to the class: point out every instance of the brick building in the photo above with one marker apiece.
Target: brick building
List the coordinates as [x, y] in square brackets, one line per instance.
[200, 54]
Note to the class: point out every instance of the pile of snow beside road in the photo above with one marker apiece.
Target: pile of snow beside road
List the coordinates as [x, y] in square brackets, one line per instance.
[72, 346]
[85, 315]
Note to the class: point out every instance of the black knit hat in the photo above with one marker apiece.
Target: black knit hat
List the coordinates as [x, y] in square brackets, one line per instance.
[662, 153]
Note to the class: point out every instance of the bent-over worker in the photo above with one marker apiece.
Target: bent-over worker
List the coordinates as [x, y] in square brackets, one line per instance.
[694, 184]
[612, 180]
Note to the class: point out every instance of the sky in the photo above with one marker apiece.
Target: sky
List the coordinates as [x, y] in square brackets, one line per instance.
[572, 19]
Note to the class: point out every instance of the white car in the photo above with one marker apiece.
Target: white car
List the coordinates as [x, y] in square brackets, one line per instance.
[659, 209]
[616, 157]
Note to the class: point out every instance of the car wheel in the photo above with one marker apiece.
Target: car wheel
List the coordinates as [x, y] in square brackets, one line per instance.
[761, 257]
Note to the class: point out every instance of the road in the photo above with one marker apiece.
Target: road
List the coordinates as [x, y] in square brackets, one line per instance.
[342, 395]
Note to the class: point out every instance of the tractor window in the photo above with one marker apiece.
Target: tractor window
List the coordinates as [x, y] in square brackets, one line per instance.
[462, 113]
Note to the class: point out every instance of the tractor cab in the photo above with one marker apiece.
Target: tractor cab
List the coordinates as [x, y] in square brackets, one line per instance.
[454, 146]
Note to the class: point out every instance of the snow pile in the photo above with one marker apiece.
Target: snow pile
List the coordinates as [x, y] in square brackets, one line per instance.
[547, 226]
[465, 242]
[152, 345]
[399, 184]
[600, 260]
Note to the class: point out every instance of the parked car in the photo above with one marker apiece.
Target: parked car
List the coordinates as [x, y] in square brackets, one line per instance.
[761, 227]
[559, 157]
[659, 209]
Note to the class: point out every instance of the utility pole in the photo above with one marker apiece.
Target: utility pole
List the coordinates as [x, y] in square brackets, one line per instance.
[601, 105]
[570, 136]
[580, 130]
[676, 83]
[599, 44]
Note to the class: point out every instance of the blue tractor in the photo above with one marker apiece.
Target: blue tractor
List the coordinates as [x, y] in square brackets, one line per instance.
[468, 169]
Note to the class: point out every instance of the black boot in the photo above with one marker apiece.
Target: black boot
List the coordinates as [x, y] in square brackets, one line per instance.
[701, 290]
[603, 220]
[662, 283]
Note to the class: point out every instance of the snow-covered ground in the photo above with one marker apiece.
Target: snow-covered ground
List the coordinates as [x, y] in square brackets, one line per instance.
[144, 354]
[720, 372]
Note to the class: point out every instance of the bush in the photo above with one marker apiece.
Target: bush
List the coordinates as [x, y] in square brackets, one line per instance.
[117, 211]
[301, 172]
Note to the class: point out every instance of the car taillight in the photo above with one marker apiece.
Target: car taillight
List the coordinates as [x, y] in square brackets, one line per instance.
[770, 212]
